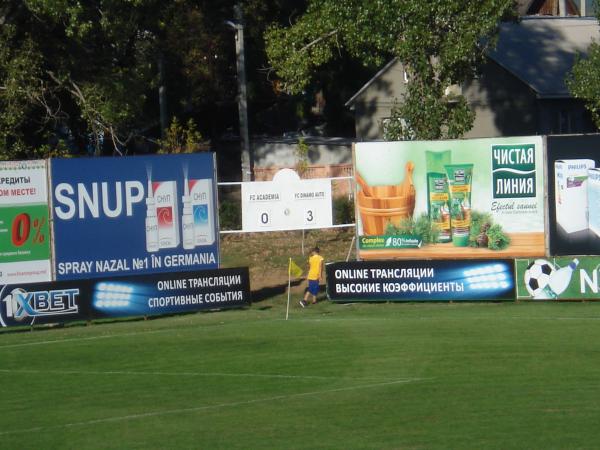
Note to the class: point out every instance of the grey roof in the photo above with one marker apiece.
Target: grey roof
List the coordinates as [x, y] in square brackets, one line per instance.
[370, 82]
[540, 51]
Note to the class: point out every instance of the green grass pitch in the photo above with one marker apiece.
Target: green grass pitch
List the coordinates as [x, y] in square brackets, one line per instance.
[381, 376]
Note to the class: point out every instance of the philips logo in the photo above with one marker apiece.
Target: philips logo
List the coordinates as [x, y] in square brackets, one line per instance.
[577, 166]
[23, 307]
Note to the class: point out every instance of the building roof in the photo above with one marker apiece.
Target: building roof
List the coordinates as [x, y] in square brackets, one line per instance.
[370, 82]
[540, 51]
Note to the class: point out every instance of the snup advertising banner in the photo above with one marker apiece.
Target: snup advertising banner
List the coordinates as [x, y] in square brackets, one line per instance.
[476, 198]
[134, 215]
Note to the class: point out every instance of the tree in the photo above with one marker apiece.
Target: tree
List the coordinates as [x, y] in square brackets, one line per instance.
[181, 139]
[439, 42]
[88, 74]
[584, 80]
[69, 72]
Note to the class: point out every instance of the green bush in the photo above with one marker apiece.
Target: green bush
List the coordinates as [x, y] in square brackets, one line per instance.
[230, 215]
[343, 210]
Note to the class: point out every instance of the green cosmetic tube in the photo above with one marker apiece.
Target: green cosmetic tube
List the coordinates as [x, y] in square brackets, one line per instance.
[460, 178]
[438, 196]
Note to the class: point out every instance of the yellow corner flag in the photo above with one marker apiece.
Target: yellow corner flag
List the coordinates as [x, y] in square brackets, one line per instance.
[294, 269]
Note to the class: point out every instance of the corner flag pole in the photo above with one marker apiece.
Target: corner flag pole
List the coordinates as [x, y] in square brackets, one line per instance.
[287, 311]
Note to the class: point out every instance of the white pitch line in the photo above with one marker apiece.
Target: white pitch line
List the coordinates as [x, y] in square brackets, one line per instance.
[320, 319]
[409, 318]
[188, 374]
[78, 339]
[208, 407]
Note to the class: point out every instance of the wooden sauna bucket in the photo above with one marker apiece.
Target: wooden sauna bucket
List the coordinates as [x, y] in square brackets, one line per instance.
[386, 204]
[375, 220]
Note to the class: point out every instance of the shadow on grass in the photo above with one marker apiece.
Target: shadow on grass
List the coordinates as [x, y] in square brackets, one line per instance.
[46, 327]
[271, 291]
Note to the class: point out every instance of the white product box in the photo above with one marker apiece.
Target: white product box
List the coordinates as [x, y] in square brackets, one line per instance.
[594, 200]
[165, 199]
[201, 194]
[571, 182]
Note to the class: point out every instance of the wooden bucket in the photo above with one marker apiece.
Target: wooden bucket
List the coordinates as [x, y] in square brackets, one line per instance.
[376, 220]
[380, 205]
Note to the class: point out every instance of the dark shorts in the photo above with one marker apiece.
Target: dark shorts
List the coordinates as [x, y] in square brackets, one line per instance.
[313, 287]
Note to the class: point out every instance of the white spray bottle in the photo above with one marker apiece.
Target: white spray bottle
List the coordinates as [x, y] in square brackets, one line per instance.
[151, 221]
[187, 219]
[559, 280]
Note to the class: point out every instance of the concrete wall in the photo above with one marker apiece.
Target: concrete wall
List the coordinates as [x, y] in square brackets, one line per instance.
[282, 152]
[275, 153]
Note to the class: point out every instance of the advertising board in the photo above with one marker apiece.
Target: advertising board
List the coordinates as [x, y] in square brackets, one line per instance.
[476, 198]
[558, 278]
[24, 230]
[472, 280]
[286, 203]
[163, 293]
[574, 194]
[134, 215]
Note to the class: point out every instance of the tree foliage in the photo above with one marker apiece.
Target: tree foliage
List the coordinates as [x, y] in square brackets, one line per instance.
[439, 42]
[180, 138]
[68, 71]
[77, 74]
[584, 81]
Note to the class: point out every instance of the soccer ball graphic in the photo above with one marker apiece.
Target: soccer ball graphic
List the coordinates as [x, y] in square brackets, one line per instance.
[537, 276]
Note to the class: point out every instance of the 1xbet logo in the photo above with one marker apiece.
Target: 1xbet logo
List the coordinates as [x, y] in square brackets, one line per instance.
[20, 307]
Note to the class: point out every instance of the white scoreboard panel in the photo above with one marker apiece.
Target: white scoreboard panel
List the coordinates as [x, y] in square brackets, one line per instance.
[286, 203]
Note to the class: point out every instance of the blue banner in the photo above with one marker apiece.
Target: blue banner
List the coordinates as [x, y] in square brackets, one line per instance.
[134, 215]
[421, 280]
[165, 293]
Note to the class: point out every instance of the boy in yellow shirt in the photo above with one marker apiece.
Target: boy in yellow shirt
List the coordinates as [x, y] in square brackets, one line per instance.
[314, 277]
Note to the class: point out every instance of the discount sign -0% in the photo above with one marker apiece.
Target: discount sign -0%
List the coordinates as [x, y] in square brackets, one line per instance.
[23, 228]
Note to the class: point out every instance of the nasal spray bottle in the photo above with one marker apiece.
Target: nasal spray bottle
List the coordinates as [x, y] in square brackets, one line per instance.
[187, 219]
[165, 196]
[151, 221]
[559, 280]
[201, 194]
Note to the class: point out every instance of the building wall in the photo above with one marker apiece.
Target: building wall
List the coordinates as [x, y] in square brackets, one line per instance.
[565, 116]
[375, 103]
[504, 106]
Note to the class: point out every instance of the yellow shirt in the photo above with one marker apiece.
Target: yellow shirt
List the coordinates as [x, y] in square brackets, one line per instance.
[314, 267]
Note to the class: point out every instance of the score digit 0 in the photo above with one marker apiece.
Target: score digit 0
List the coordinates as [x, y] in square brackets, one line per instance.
[264, 218]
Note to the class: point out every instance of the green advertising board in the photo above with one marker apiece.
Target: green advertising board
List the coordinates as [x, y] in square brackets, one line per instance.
[559, 278]
[473, 198]
[24, 229]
